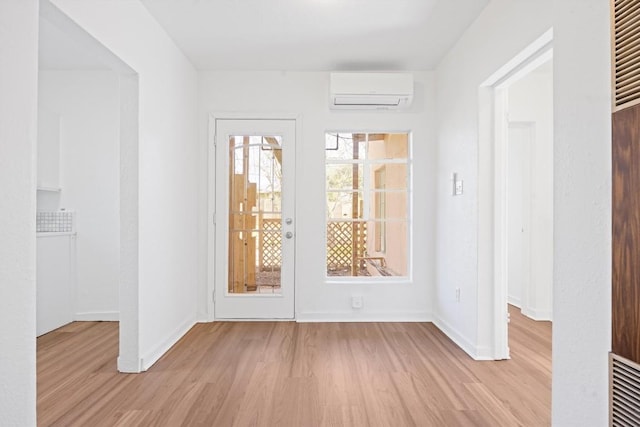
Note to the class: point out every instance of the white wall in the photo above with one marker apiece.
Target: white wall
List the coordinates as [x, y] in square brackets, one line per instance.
[306, 94]
[87, 104]
[502, 30]
[582, 213]
[531, 100]
[48, 172]
[518, 196]
[582, 180]
[18, 112]
[167, 223]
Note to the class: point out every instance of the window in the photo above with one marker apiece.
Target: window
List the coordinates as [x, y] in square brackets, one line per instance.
[367, 199]
[381, 209]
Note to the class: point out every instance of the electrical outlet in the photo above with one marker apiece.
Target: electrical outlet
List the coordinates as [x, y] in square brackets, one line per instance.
[457, 294]
[356, 302]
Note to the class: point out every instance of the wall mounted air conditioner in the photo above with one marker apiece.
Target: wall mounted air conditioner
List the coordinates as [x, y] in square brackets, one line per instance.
[370, 91]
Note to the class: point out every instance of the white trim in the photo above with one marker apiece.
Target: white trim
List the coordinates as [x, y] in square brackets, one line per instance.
[492, 220]
[521, 61]
[97, 316]
[211, 214]
[371, 280]
[129, 366]
[537, 315]
[500, 222]
[153, 356]
[257, 319]
[475, 352]
[41, 234]
[320, 317]
[516, 302]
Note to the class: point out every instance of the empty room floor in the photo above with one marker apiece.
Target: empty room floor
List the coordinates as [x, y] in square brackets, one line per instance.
[296, 374]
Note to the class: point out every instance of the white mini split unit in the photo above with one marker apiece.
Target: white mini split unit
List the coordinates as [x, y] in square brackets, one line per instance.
[370, 91]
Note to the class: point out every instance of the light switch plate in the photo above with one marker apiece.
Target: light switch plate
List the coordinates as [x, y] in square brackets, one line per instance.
[457, 185]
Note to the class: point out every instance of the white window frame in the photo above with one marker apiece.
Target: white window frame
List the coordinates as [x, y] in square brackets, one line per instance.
[367, 189]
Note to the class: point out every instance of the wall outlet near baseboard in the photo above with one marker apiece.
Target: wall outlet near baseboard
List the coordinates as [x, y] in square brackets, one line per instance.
[457, 294]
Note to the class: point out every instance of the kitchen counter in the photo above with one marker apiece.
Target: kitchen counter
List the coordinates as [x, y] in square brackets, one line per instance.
[55, 234]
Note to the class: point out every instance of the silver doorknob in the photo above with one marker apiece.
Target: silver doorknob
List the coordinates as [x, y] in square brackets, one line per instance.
[288, 234]
[288, 221]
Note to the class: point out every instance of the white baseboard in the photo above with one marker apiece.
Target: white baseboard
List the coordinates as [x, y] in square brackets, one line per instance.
[539, 315]
[97, 316]
[514, 301]
[151, 357]
[475, 352]
[129, 366]
[418, 316]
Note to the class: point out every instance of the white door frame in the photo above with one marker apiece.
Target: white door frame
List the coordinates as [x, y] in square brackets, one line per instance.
[211, 193]
[492, 186]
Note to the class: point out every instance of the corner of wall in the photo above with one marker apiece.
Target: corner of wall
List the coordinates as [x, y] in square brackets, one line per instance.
[150, 357]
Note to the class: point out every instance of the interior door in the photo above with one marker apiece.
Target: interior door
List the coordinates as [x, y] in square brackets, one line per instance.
[255, 224]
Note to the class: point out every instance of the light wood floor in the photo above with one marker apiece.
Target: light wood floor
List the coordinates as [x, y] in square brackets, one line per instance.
[288, 374]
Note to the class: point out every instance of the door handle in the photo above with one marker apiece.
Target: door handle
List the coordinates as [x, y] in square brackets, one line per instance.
[288, 235]
[288, 221]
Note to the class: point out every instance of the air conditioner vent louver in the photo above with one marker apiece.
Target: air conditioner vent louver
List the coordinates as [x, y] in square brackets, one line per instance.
[624, 392]
[626, 53]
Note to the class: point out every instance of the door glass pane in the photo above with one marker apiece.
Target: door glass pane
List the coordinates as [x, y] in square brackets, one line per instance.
[255, 203]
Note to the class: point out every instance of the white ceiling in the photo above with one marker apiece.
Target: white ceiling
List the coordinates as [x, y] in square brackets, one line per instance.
[315, 34]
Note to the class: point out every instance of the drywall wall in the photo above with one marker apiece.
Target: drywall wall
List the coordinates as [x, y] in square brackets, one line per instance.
[48, 173]
[502, 30]
[256, 94]
[582, 213]
[18, 117]
[531, 100]
[87, 106]
[167, 189]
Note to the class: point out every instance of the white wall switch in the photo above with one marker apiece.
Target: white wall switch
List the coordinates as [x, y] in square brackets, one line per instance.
[457, 185]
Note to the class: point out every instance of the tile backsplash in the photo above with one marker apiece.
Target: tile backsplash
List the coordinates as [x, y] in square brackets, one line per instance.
[55, 221]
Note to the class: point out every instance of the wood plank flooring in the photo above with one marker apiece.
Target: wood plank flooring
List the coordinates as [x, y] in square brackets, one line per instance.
[288, 374]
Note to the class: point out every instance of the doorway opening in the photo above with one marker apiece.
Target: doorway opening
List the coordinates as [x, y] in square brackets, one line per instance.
[516, 187]
[88, 163]
[530, 193]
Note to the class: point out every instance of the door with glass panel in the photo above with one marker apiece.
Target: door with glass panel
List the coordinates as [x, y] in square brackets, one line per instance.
[255, 225]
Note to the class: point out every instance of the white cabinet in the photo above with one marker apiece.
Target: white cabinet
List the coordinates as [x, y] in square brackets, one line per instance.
[54, 280]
